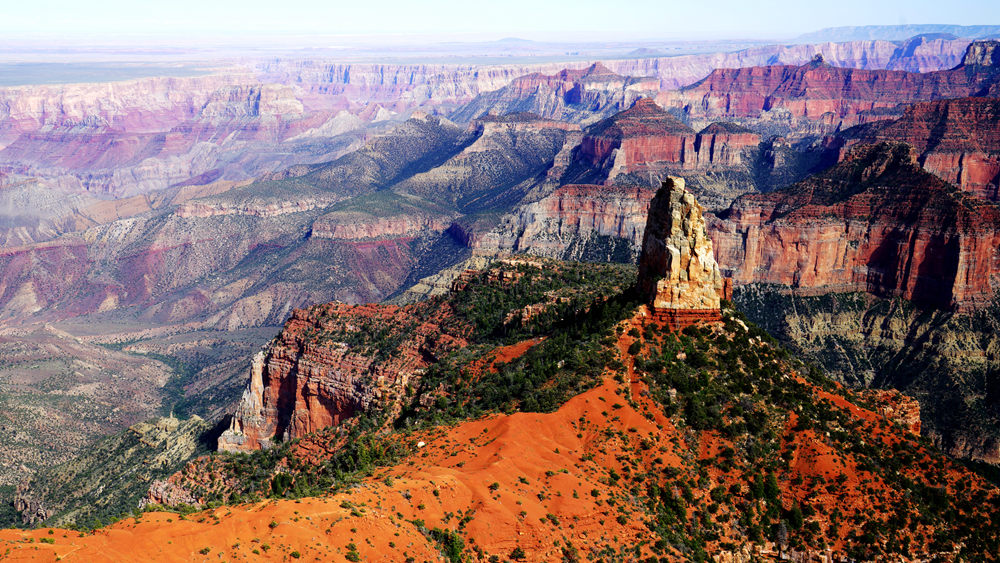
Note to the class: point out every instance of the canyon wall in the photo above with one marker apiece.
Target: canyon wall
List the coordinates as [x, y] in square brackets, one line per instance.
[450, 83]
[580, 96]
[574, 222]
[319, 372]
[957, 140]
[817, 97]
[646, 141]
[875, 223]
[125, 138]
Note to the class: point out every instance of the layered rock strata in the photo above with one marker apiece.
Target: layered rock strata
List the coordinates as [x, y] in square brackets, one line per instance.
[816, 97]
[323, 369]
[957, 140]
[678, 275]
[875, 223]
[646, 140]
[580, 96]
[575, 222]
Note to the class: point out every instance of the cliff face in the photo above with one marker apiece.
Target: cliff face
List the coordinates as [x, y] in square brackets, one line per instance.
[304, 383]
[335, 361]
[588, 222]
[957, 140]
[139, 136]
[817, 97]
[947, 362]
[76, 492]
[875, 222]
[244, 255]
[580, 96]
[647, 140]
[678, 275]
[135, 137]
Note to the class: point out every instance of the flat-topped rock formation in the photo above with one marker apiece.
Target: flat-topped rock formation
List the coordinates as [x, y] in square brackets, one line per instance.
[957, 140]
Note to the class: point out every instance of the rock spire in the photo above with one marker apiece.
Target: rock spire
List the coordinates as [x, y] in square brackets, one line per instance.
[678, 274]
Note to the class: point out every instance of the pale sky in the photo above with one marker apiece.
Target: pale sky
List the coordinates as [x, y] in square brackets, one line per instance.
[471, 19]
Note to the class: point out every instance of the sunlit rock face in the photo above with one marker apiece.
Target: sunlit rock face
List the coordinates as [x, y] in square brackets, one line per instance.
[678, 274]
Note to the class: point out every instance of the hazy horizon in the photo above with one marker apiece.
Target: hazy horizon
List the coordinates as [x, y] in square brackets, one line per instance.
[120, 22]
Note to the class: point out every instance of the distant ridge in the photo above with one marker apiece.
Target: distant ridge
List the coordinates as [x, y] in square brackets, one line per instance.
[895, 32]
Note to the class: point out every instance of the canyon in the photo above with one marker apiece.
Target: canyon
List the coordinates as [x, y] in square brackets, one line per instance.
[159, 220]
[874, 223]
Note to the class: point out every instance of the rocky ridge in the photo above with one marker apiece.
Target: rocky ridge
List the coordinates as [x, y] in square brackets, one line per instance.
[575, 222]
[321, 370]
[577, 96]
[817, 98]
[947, 362]
[111, 477]
[645, 142]
[682, 393]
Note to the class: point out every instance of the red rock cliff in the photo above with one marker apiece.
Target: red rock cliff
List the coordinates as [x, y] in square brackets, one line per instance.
[645, 139]
[329, 364]
[875, 222]
[957, 140]
[832, 97]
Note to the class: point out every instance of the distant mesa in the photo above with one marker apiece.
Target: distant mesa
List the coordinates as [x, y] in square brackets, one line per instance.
[678, 275]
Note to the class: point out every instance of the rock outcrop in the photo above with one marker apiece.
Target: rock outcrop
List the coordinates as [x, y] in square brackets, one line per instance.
[678, 275]
[875, 223]
[642, 134]
[957, 140]
[78, 491]
[328, 365]
[895, 407]
[579, 96]
[643, 144]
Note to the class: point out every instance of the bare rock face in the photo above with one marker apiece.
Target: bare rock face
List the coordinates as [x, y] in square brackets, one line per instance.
[574, 222]
[325, 367]
[874, 223]
[677, 270]
[957, 140]
[580, 96]
[895, 407]
[645, 140]
[816, 97]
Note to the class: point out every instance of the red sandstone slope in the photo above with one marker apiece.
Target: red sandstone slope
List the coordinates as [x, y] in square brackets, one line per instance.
[829, 97]
[581, 482]
[957, 140]
[875, 222]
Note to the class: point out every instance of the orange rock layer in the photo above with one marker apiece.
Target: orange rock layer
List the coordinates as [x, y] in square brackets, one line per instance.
[320, 370]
